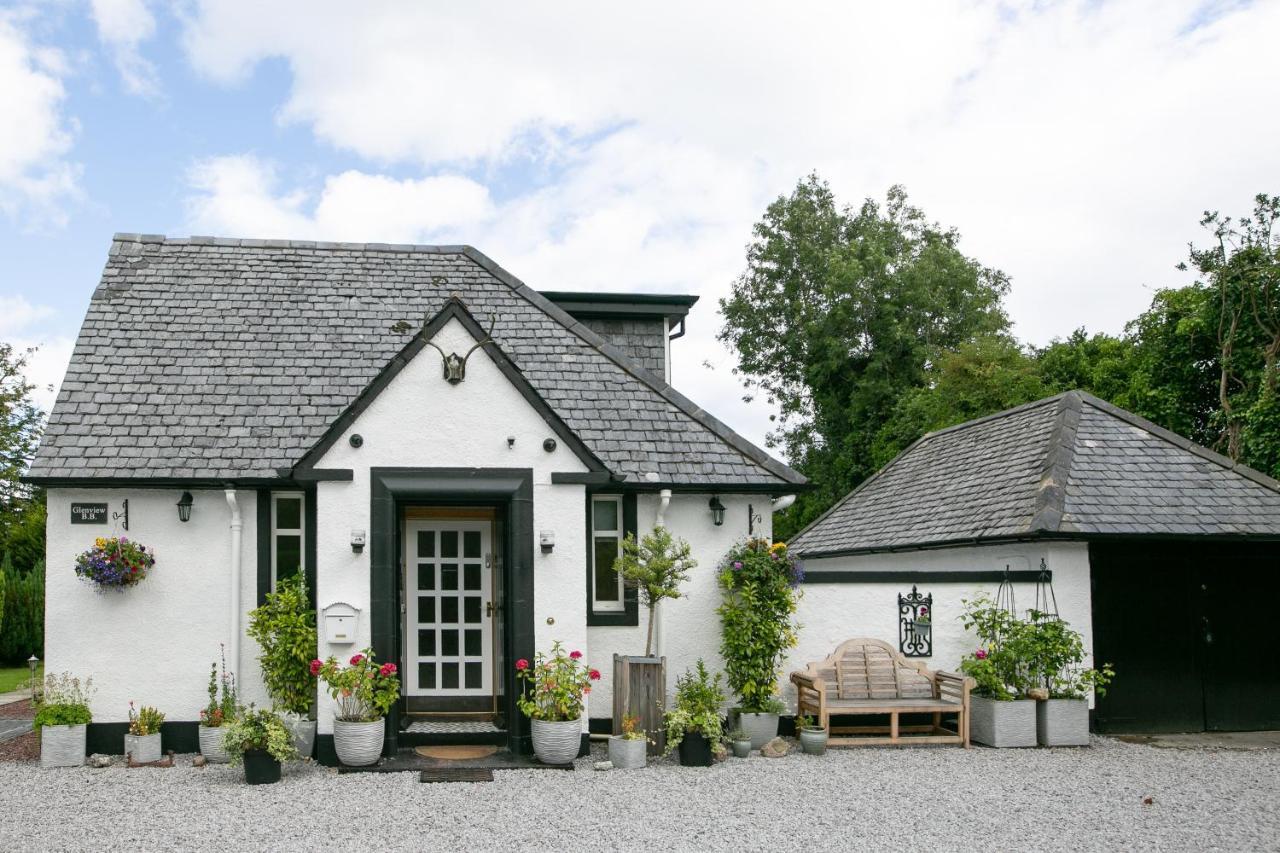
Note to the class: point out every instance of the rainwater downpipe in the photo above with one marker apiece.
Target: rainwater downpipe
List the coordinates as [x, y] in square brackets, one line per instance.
[664, 500]
[783, 502]
[237, 534]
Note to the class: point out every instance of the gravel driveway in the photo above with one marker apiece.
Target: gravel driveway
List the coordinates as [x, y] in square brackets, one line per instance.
[916, 799]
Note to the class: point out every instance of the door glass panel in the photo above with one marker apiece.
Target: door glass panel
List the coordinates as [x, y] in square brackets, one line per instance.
[426, 543]
[475, 676]
[472, 641]
[605, 515]
[471, 609]
[449, 643]
[471, 544]
[288, 555]
[606, 579]
[471, 576]
[448, 676]
[426, 576]
[288, 513]
[448, 575]
[449, 544]
[427, 643]
[449, 610]
[426, 610]
[427, 676]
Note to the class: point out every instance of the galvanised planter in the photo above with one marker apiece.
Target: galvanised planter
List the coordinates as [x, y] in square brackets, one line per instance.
[761, 728]
[142, 749]
[62, 746]
[211, 744]
[627, 754]
[304, 735]
[1002, 724]
[813, 740]
[358, 744]
[1062, 722]
[557, 742]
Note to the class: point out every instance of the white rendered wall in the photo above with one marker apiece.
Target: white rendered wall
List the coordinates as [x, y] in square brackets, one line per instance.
[830, 613]
[151, 643]
[421, 421]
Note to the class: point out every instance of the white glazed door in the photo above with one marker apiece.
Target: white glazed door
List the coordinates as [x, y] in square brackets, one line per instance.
[448, 608]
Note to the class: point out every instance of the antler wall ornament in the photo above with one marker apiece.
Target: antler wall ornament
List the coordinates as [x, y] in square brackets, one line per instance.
[455, 366]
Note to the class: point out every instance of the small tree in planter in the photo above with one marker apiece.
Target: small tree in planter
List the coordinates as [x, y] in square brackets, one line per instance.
[693, 722]
[260, 740]
[1055, 659]
[365, 691]
[142, 743]
[284, 628]
[1000, 713]
[61, 717]
[655, 566]
[760, 583]
[556, 685]
[220, 712]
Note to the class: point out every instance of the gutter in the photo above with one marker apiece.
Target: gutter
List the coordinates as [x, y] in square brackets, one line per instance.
[237, 537]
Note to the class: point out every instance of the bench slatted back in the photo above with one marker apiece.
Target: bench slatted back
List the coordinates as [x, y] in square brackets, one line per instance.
[871, 669]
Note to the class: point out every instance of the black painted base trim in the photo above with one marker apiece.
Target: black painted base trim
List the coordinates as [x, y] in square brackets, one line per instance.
[908, 576]
[585, 749]
[600, 725]
[325, 753]
[108, 738]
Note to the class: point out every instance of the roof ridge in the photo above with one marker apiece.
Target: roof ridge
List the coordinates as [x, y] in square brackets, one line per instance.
[1055, 472]
[1043, 401]
[256, 243]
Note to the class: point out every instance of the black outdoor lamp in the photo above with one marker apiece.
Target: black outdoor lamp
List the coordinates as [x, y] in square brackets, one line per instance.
[717, 510]
[184, 507]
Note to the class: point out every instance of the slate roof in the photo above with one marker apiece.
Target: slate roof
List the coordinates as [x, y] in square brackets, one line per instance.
[218, 359]
[1070, 466]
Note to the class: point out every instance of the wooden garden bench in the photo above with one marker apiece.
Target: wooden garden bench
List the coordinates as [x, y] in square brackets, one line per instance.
[868, 676]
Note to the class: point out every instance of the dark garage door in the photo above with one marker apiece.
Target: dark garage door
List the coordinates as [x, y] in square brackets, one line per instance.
[1188, 628]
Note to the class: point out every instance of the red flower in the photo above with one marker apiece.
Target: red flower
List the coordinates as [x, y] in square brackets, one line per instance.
[315, 666]
[522, 664]
[980, 654]
[575, 655]
[387, 669]
[355, 659]
[594, 675]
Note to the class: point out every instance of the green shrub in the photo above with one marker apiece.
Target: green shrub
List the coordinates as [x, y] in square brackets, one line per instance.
[696, 707]
[22, 604]
[258, 730]
[284, 628]
[65, 701]
[760, 582]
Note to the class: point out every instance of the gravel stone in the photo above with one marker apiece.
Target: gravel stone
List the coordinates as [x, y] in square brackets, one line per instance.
[934, 799]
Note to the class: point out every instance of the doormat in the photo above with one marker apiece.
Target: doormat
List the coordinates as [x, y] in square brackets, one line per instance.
[455, 753]
[457, 774]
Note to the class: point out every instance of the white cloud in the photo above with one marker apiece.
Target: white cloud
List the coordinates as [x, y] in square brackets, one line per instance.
[35, 135]
[16, 314]
[47, 364]
[123, 25]
[1072, 144]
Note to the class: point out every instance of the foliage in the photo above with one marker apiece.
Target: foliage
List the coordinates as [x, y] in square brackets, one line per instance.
[22, 528]
[1000, 666]
[839, 311]
[258, 730]
[656, 566]
[1055, 659]
[364, 690]
[22, 625]
[696, 707]
[145, 721]
[65, 701]
[554, 685]
[629, 728]
[20, 424]
[115, 563]
[284, 628]
[222, 696]
[760, 583]
[804, 721]
[738, 733]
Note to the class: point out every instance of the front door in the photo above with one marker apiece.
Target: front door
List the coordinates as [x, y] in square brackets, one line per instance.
[449, 614]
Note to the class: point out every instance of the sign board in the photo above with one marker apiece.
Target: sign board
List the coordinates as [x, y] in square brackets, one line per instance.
[88, 513]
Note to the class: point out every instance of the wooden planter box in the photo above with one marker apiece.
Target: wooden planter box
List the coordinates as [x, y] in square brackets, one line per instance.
[1002, 724]
[640, 689]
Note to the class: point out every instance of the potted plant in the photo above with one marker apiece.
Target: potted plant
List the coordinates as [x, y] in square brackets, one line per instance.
[813, 738]
[693, 722]
[365, 692]
[741, 742]
[1056, 663]
[260, 740]
[999, 713]
[760, 582]
[555, 685]
[627, 751]
[655, 566]
[114, 563]
[284, 628]
[62, 715]
[922, 622]
[142, 743]
[220, 712]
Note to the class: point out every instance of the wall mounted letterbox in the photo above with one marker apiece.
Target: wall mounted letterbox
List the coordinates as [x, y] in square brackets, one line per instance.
[340, 623]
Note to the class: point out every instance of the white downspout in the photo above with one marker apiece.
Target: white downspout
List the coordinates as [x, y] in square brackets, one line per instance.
[237, 534]
[664, 500]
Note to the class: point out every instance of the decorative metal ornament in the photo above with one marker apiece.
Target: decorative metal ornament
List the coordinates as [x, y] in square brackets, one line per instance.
[455, 366]
[915, 624]
[123, 515]
[1046, 601]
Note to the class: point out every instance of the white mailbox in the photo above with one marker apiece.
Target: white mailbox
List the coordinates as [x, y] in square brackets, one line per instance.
[340, 623]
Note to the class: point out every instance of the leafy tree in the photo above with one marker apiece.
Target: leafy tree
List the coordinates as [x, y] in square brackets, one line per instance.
[656, 566]
[840, 310]
[1101, 364]
[20, 423]
[284, 627]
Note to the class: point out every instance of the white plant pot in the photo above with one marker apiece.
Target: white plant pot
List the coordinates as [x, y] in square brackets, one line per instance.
[358, 744]
[557, 742]
[761, 728]
[142, 749]
[1062, 722]
[62, 746]
[211, 747]
[1002, 724]
[304, 735]
[627, 754]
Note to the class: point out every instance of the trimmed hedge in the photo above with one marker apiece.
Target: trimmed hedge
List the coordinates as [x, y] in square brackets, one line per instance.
[22, 622]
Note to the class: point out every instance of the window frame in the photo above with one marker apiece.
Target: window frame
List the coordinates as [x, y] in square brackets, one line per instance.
[629, 613]
[276, 531]
[599, 605]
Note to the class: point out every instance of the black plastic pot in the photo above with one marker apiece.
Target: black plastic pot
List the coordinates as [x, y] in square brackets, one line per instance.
[260, 768]
[695, 750]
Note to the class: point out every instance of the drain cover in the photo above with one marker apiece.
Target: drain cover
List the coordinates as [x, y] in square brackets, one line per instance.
[457, 774]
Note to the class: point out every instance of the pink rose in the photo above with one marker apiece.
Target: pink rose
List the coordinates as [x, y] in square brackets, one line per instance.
[355, 659]
[980, 654]
[594, 675]
[387, 669]
[522, 664]
[575, 655]
[315, 667]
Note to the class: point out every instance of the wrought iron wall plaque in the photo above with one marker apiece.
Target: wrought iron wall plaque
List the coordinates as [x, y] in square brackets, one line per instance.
[915, 624]
[88, 513]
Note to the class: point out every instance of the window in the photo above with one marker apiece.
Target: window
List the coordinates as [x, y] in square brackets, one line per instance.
[286, 535]
[607, 594]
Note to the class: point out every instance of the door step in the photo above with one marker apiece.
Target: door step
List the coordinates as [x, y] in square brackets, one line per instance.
[451, 727]
[457, 774]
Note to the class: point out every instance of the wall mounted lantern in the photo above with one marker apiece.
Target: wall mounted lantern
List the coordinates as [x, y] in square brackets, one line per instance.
[184, 507]
[717, 510]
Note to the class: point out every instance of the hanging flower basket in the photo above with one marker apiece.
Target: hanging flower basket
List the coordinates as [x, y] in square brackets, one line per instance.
[115, 563]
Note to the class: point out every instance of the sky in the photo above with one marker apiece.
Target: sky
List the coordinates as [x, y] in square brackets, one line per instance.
[591, 146]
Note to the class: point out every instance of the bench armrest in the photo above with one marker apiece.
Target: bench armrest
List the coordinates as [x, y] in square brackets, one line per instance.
[956, 676]
[804, 679]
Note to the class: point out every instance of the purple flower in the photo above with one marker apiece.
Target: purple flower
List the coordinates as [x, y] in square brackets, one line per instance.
[737, 564]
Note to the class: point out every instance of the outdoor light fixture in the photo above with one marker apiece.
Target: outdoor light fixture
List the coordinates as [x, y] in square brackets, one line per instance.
[32, 663]
[717, 510]
[184, 507]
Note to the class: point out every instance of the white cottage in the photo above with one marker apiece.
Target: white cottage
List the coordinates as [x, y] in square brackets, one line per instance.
[450, 457]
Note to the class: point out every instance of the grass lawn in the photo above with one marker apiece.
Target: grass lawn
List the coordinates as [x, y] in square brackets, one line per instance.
[18, 678]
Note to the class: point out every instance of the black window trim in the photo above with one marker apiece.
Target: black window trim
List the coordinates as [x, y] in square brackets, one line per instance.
[630, 614]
